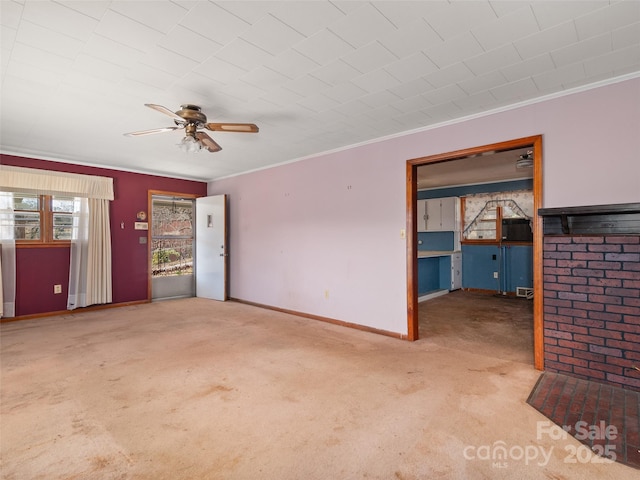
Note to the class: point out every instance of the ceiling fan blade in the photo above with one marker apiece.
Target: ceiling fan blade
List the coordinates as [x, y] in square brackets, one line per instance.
[232, 127]
[165, 110]
[208, 142]
[150, 132]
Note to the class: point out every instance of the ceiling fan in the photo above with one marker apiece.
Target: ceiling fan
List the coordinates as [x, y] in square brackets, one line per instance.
[191, 119]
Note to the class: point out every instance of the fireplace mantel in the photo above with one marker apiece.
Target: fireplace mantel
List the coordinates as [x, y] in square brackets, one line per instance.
[616, 219]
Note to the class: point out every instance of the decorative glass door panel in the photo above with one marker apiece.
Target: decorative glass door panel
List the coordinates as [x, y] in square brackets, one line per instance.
[172, 240]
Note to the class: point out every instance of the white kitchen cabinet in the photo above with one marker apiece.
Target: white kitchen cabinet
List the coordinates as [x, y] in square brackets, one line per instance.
[439, 214]
[433, 215]
[450, 214]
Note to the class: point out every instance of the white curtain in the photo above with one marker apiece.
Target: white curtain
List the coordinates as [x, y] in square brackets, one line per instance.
[90, 261]
[79, 255]
[7, 257]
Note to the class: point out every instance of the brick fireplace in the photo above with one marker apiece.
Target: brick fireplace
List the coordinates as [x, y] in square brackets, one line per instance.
[591, 278]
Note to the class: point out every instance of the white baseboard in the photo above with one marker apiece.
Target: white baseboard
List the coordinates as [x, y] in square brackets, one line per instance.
[434, 294]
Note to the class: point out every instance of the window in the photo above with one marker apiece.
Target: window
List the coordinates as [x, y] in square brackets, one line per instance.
[41, 219]
[488, 219]
[61, 217]
[485, 226]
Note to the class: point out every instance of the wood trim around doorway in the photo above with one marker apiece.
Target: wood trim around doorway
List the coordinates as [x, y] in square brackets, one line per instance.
[535, 142]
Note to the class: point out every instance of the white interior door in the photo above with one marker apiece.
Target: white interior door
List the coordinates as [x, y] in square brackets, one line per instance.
[211, 247]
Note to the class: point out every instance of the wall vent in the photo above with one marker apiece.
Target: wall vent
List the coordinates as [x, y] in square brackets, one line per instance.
[524, 292]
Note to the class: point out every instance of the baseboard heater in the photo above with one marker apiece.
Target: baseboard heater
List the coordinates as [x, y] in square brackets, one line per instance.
[525, 292]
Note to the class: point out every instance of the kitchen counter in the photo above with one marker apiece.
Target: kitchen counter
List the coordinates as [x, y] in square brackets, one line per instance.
[435, 253]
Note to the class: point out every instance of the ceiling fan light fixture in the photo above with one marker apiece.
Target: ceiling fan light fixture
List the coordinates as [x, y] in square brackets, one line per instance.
[191, 118]
[190, 145]
[525, 160]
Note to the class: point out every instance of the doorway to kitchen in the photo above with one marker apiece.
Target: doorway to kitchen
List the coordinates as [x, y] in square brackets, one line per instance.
[533, 144]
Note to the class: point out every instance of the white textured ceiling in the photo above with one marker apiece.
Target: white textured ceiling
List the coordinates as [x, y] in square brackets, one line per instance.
[314, 75]
[487, 167]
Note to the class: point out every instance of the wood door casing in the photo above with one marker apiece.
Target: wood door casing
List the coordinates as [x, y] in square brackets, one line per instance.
[535, 142]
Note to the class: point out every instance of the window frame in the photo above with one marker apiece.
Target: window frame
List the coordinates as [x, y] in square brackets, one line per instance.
[485, 241]
[500, 215]
[46, 214]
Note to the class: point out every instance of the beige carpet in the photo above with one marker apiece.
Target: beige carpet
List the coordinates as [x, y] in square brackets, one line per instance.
[197, 389]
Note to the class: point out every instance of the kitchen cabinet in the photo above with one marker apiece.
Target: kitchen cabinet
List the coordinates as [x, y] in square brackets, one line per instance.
[421, 215]
[438, 214]
[439, 272]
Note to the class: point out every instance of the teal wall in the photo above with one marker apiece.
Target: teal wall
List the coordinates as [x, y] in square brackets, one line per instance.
[514, 264]
[478, 264]
[428, 275]
[434, 273]
[519, 267]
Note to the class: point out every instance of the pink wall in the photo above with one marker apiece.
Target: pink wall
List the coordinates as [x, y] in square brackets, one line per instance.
[38, 269]
[322, 235]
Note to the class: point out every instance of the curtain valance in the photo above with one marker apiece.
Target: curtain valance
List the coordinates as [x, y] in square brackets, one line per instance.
[47, 182]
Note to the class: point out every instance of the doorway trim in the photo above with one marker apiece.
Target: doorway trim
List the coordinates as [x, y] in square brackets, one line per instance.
[535, 142]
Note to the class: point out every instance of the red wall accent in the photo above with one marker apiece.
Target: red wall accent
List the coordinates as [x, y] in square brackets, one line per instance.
[592, 307]
[38, 269]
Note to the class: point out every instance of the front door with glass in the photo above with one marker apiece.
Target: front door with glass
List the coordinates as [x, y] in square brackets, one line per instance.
[172, 247]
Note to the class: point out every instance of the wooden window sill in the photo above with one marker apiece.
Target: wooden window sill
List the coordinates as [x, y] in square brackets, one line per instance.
[43, 244]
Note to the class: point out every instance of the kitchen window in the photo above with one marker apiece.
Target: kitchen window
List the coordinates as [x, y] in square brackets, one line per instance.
[498, 217]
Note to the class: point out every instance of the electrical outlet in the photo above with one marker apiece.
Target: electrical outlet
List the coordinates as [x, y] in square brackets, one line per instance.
[326, 294]
[57, 289]
[495, 274]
